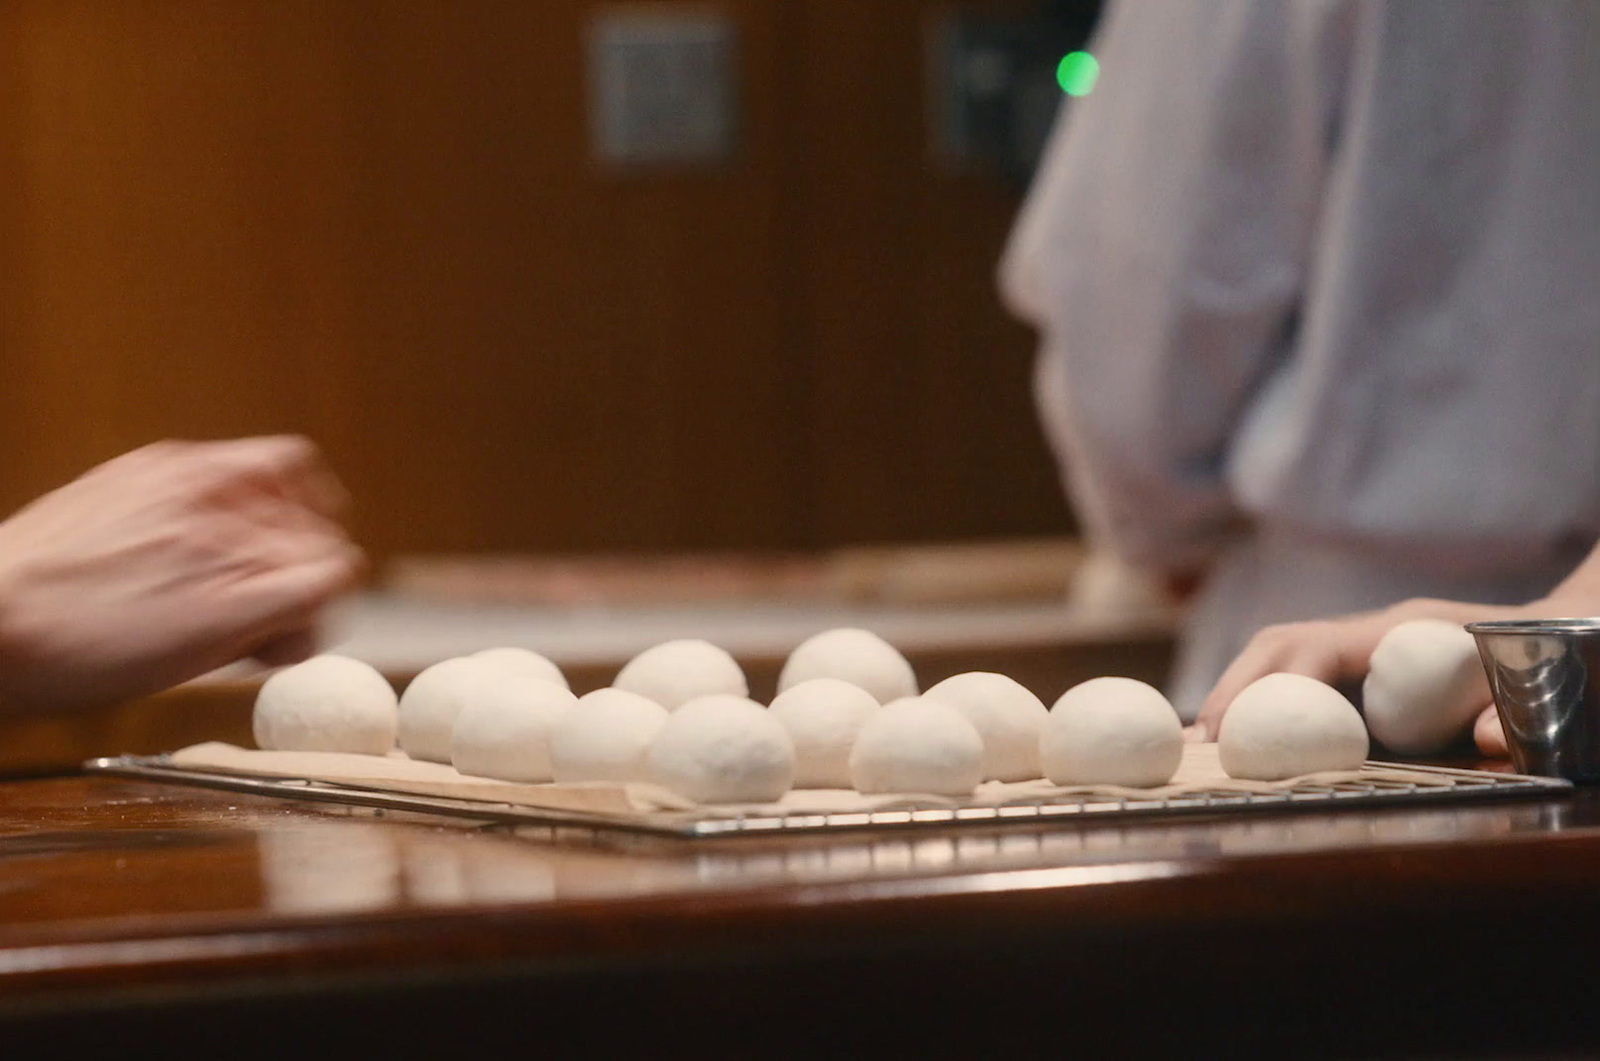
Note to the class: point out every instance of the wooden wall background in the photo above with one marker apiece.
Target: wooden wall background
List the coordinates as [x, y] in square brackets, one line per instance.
[378, 223]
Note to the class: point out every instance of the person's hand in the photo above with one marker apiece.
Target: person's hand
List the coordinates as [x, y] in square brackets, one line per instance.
[1332, 651]
[1489, 735]
[168, 562]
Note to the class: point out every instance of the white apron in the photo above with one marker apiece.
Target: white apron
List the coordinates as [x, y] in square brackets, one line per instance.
[1318, 290]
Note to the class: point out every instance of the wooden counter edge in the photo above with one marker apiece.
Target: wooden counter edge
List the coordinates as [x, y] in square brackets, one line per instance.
[1136, 902]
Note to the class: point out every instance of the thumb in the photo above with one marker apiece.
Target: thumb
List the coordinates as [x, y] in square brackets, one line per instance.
[1489, 734]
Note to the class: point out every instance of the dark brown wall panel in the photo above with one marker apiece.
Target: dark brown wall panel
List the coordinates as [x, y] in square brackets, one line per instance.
[174, 183]
[924, 424]
[379, 223]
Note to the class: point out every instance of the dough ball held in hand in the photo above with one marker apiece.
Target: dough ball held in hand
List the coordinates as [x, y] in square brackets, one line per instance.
[675, 672]
[823, 717]
[723, 749]
[1285, 725]
[326, 704]
[524, 662]
[431, 703]
[1425, 686]
[917, 744]
[606, 737]
[1007, 716]
[859, 657]
[1111, 731]
[504, 731]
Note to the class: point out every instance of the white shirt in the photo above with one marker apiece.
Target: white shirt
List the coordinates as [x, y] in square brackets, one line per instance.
[1329, 270]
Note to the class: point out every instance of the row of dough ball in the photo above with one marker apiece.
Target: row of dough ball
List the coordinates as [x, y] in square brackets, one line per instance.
[332, 703]
[507, 713]
[511, 717]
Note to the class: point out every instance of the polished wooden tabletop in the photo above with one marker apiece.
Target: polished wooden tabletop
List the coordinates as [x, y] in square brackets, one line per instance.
[132, 908]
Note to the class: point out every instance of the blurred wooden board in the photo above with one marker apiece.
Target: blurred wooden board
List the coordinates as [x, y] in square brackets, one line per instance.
[945, 573]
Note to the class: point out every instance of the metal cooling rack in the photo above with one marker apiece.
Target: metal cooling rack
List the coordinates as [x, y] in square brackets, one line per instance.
[1442, 784]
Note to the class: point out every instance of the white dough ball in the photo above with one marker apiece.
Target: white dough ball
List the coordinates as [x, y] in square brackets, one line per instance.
[859, 657]
[675, 672]
[823, 716]
[525, 662]
[605, 737]
[1425, 688]
[326, 704]
[1111, 731]
[723, 749]
[917, 744]
[1008, 717]
[1285, 725]
[504, 732]
[430, 704]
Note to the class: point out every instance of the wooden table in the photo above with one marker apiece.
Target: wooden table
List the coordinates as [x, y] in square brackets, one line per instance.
[138, 913]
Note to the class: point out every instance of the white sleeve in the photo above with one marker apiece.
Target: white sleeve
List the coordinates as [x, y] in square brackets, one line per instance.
[1162, 251]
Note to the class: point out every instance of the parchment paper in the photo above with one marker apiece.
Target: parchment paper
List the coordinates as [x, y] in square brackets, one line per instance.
[1200, 771]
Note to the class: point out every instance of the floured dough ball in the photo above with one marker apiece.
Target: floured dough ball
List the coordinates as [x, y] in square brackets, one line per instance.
[1111, 731]
[859, 657]
[326, 704]
[605, 737]
[504, 732]
[1425, 688]
[1007, 716]
[917, 744]
[823, 716]
[723, 749]
[1285, 725]
[430, 704]
[675, 672]
[525, 662]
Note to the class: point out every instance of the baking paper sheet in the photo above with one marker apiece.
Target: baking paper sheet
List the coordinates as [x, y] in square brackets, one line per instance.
[1200, 771]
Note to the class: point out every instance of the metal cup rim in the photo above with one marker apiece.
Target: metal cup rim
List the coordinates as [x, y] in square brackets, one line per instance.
[1535, 626]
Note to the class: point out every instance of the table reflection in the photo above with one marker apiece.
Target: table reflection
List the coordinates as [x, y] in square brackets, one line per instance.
[345, 862]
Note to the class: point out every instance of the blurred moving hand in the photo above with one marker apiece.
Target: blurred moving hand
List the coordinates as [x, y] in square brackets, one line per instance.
[166, 563]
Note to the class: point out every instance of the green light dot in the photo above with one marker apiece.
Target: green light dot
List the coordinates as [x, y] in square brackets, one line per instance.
[1077, 73]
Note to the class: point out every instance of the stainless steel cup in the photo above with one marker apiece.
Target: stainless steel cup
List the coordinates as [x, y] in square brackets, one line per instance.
[1545, 677]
